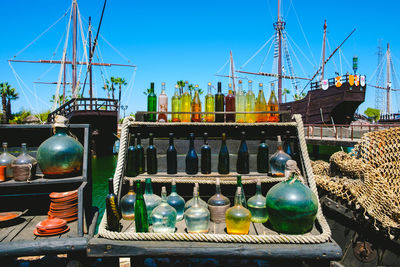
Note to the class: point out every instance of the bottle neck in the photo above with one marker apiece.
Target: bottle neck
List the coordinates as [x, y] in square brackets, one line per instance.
[171, 140]
[250, 87]
[191, 142]
[238, 197]
[139, 140]
[164, 196]
[205, 138]
[258, 189]
[230, 92]
[240, 88]
[173, 188]
[279, 146]
[132, 140]
[219, 88]
[23, 149]
[152, 88]
[217, 189]
[110, 186]
[139, 193]
[61, 130]
[195, 198]
[151, 141]
[176, 91]
[239, 181]
[209, 90]
[223, 139]
[148, 188]
[131, 188]
[5, 147]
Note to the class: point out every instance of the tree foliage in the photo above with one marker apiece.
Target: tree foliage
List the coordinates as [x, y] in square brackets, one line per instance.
[373, 114]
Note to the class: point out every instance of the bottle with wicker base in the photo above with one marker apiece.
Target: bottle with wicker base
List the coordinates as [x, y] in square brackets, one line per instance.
[218, 204]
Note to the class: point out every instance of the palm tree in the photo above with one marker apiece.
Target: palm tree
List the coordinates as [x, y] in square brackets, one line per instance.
[7, 94]
[113, 81]
[11, 95]
[180, 84]
[120, 81]
[285, 93]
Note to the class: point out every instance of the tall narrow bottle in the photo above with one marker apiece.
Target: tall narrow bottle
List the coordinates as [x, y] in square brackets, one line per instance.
[219, 104]
[127, 203]
[273, 105]
[257, 206]
[151, 199]
[238, 218]
[192, 161]
[140, 154]
[210, 105]
[278, 160]
[172, 161]
[205, 156]
[261, 105]
[196, 105]
[176, 201]
[176, 105]
[263, 155]
[5, 160]
[163, 216]
[113, 215]
[223, 157]
[218, 204]
[141, 218]
[186, 104]
[250, 104]
[243, 196]
[131, 169]
[189, 203]
[240, 104]
[242, 164]
[151, 153]
[287, 147]
[151, 104]
[162, 104]
[197, 217]
[230, 104]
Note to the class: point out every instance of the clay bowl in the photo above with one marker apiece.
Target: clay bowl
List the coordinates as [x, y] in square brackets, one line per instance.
[51, 223]
[36, 232]
[57, 195]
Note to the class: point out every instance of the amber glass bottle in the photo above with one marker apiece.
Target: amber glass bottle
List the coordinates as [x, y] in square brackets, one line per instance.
[196, 105]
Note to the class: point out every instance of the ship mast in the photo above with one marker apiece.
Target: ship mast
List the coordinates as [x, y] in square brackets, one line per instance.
[279, 27]
[74, 44]
[232, 72]
[388, 83]
[323, 53]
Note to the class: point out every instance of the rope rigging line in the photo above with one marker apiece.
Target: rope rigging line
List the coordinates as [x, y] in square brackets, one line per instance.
[130, 87]
[340, 61]
[223, 66]
[333, 58]
[265, 57]
[258, 51]
[297, 59]
[301, 51]
[84, 41]
[383, 61]
[58, 44]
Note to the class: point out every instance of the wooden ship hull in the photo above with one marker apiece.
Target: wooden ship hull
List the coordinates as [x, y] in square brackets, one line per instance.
[333, 105]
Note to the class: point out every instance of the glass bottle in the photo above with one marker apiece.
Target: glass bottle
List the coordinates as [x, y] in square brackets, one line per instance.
[141, 218]
[151, 104]
[151, 153]
[176, 201]
[261, 105]
[240, 104]
[186, 104]
[24, 159]
[127, 203]
[238, 218]
[131, 169]
[5, 160]
[140, 154]
[223, 157]
[162, 104]
[287, 147]
[189, 203]
[205, 156]
[257, 206]
[196, 105]
[163, 216]
[278, 160]
[219, 104]
[230, 104]
[242, 163]
[151, 200]
[263, 155]
[273, 105]
[250, 104]
[172, 162]
[210, 105]
[218, 204]
[239, 184]
[113, 215]
[176, 105]
[192, 161]
[197, 217]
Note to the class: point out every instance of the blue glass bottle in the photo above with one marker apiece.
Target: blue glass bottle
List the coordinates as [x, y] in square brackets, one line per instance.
[205, 156]
[172, 162]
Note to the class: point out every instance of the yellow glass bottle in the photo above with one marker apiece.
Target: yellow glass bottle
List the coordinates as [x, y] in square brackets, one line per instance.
[186, 104]
[273, 105]
[196, 105]
[175, 105]
[240, 104]
[238, 218]
[250, 104]
[261, 105]
[210, 103]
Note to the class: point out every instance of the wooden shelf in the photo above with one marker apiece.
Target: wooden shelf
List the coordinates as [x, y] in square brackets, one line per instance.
[42, 181]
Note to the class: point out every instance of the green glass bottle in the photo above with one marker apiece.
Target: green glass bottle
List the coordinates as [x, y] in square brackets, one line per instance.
[192, 161]
[113, 215]
[219, 104]
[242, 163]
[239, 184]
[127, 203]
[186, 104]
[163, 216]
[152, 104]
[141, 218]
[151, 153]
[176, 105]
[250, 104]
[131, 169]
[176, 201]
[151, 199]
[205, 156]
[140, 154]
[240, 104]
[223, 157]
[263, 155]
[210, 105]
[257, 206]
[172, 162]
[238, 218]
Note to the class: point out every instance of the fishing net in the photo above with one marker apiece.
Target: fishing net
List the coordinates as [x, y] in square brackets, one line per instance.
[369, 176]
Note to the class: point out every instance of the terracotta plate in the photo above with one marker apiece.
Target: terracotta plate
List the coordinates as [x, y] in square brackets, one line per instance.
[63, 194]
[11, 215]
[50, 234]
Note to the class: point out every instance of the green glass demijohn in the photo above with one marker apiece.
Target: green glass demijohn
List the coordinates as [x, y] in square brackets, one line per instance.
[60, 155]
[292, 206]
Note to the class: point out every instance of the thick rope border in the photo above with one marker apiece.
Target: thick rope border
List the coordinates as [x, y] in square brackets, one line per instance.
[255, 239]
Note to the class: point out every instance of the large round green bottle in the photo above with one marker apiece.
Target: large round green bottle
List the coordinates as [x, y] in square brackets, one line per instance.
[60, 155]
[292, 207]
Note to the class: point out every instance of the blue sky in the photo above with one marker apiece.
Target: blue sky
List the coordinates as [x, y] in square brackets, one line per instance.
[191, 40]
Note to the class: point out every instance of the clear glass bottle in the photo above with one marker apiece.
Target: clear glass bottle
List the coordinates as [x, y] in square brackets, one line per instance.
[24, 166]
[113, 215]
[151, 104]
[197, 217]
[263, 155]
[163, 216]
[205, 156]
[186, 104]
[242, 163]
[278, 160]
[218, 204]
[6, 159]
[240, 104]
[257, 206]
[189, 203]
[273, 105]
[223, 157]
[140, 164]
[243, 195]
[210, 105]
[176, 201]
[151, 153]
[261, 105]
[238, 218]
[250, 104]
[141, 217]
[176, 105]
[192, 161]
[127, 203]
[162, 104]
[219, 104]
[196, 105]
[230, 104]
[151, 200]
[172, 162]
